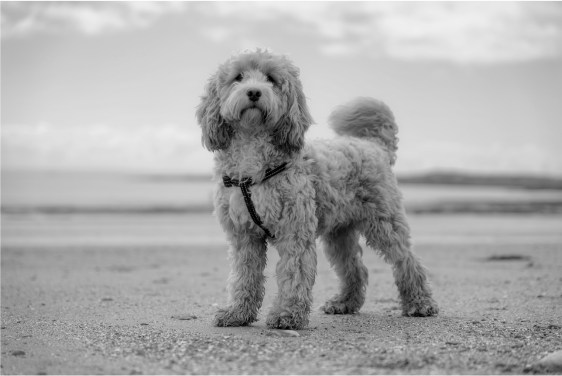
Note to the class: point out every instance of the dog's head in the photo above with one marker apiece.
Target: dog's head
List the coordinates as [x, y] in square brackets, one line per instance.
[251, 91]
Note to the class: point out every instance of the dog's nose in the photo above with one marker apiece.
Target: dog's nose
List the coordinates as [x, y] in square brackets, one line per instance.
[253, 94]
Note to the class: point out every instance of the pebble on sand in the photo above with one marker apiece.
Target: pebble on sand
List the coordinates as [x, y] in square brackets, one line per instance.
[551, 362]
[184, 317]
[18, 353]
[282, 333]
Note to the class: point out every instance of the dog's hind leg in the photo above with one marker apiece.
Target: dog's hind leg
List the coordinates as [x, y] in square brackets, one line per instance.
[391, 236]
[343, 251]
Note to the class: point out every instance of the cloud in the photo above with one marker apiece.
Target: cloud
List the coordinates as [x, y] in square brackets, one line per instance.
[461, 32]
[148, 148]
[24, 18]
[426, 156]
[473, 32]
[177, 149]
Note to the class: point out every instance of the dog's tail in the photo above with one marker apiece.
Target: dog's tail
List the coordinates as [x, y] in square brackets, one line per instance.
[367, 118]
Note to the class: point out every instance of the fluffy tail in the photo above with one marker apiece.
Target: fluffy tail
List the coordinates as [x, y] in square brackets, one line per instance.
[367, 118]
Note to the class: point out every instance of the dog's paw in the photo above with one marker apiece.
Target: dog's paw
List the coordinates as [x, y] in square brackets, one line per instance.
[286, 320]
[232, 317]
[339, 307]
[420, 307]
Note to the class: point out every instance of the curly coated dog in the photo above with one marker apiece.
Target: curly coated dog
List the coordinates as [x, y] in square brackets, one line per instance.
[277, 189]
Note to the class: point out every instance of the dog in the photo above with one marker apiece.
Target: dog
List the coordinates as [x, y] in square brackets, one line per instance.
[277, 189]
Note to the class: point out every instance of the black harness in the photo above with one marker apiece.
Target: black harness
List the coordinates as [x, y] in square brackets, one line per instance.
[244, 184]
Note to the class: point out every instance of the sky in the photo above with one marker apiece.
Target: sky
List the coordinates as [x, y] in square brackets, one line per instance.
[113, 86]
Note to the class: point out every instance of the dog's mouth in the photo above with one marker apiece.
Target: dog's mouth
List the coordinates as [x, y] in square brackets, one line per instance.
[252, 116]
[251, 111]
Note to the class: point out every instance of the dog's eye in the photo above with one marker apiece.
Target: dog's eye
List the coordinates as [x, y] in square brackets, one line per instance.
[239, 77]
[270, 79]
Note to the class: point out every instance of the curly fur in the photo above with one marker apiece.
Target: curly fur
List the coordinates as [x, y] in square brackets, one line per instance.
[334, 189]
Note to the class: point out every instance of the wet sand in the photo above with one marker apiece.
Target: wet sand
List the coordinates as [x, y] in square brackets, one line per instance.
[132, 295]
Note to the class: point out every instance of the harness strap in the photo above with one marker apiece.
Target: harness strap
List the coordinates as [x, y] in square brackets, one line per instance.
[244, 184]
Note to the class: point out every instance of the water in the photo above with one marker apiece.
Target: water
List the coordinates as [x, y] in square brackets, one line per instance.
[74, 209]
[112, 190]
[76, 190]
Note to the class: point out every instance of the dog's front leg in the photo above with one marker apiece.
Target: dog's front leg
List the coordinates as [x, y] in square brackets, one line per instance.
[296, 269]
[246, 283]
[246, 288]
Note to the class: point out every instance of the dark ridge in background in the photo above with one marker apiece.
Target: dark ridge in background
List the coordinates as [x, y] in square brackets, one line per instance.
[511, 181]
[487, 207]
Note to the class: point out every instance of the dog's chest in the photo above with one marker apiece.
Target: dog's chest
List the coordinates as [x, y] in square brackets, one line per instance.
[238, 210]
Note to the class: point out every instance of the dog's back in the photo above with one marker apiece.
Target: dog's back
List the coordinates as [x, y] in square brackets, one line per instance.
[352, 173]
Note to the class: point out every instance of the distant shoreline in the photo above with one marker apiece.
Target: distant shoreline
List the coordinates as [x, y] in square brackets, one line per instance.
[49, 193]
[445, 207]
[509, 180]
[434, 178]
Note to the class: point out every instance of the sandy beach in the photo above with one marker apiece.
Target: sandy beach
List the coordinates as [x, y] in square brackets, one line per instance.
[122, 274]
[136, 295]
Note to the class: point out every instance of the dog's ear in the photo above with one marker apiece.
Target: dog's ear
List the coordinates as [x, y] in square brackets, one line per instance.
[291, 127]
[216, 132]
